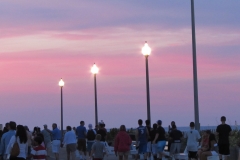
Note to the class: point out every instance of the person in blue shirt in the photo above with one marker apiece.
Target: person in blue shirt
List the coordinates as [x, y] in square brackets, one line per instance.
[6, 138]
[81, 132]
[141, 139]
[56, 140]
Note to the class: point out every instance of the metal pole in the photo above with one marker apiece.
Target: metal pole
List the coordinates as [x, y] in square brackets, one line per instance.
[195, 79]
[62, 111]
[148, 94]
[95, 91]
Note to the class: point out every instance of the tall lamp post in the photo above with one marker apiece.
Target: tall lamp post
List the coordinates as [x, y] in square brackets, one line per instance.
[146, 51]
[61, 84]
[94, 71]
[195, 79]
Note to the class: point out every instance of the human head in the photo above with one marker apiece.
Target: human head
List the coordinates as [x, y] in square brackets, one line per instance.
[155, 126]
[90, 126]
[21, 133]
[12, 125]
[96, 127]
[223, 119]
[173, 123]
[174, 126]
[159, 122]
[98, 137]
[54, 125]
[45, 126]
[140, 122]
[192, 124]
[40, 135]
[69, 128]
[7, 125]
[208, 132]
[38, 140]
[82, 123]
[122, 128]
[26, 128]
[147, 122]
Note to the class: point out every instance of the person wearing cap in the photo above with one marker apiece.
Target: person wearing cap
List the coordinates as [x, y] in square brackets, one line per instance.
[160, 139]
[47, 139]
[102, 131]
[91, 134]
[141, 139]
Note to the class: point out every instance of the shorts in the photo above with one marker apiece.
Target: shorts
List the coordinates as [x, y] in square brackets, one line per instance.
[71, 147]
[56, 146]
[224, 149]
[142, 148]
[123, 153]
[214, 153]
[192, 154]
[89, 146]
[154, 149]
[81, 145]
[149, 147]
[161, 145]
[175, 148]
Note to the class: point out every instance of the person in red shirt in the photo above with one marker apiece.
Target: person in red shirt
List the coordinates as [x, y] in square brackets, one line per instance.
[122, 143]
[39, 152]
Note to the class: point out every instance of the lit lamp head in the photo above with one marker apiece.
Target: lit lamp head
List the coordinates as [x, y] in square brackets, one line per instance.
[61, 83]
[146, 50]
[94, 69]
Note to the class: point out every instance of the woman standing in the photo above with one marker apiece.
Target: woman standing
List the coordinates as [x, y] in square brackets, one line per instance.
[122, 143]
[21, 139]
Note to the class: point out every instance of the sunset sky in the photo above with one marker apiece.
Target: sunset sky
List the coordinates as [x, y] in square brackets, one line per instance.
[44, 41]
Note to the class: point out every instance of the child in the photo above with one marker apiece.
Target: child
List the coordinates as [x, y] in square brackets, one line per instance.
[97, 149]
[38, 152]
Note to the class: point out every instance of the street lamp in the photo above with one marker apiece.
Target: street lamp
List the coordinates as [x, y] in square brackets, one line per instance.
[195, 79]
[146, 51]
[94, 71]
[61, 84]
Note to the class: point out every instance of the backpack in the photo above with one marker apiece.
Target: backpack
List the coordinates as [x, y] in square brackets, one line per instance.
[15, 149]
[91, 135]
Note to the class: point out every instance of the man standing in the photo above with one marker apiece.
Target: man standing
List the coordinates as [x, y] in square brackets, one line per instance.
[141, 139]
[193, 138]
[47, 139]
[56, 136]
[6, 138]
[81, 132]
[170, 128]
[160, 138]
[223, 131]
[70, 142]
[175, 137]
[149, 144]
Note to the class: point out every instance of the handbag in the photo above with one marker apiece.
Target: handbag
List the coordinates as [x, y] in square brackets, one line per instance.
[15, 149]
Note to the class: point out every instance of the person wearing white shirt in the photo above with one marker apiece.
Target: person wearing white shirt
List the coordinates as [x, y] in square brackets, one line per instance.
[70, 142]
[193, 138]
[21, 139]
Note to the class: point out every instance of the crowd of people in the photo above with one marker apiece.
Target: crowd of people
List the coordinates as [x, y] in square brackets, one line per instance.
[90, 143]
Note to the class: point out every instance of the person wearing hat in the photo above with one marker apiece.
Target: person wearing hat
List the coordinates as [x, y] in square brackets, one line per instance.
[160, 139]
[47, 140]
[91, 134]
